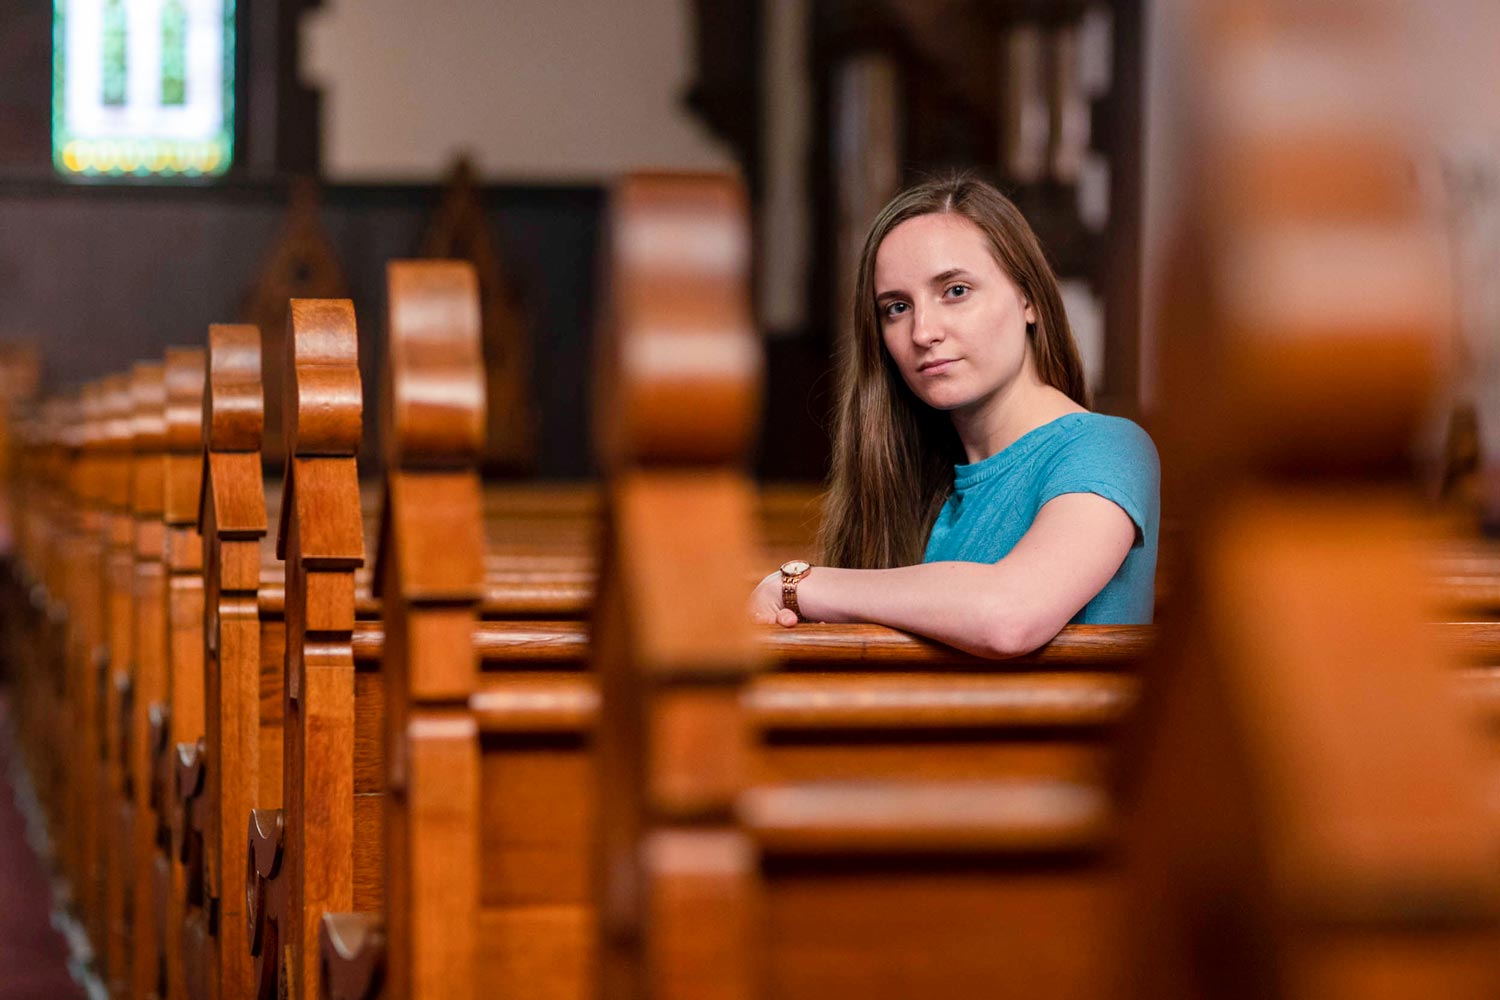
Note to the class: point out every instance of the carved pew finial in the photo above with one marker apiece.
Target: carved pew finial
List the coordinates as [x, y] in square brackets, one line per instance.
[115, 435]
[436, 404]
[680, 364]
[678, 390]
[184, 378]
[323, 403]
[234, 401]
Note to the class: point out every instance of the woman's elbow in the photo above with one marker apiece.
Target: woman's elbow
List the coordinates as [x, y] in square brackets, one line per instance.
[1009, 636]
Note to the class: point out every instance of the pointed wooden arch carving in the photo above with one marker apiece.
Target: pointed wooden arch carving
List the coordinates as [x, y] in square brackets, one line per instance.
[460, 231]
[302, 264]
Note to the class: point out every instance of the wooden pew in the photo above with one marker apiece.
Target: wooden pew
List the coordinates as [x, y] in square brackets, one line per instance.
[513, 588]
[578, 697]
[116, 473]
[501, 708]
[234, 768]
[1042, 723]
[665, 615]
[304, 856]
[20, 600]
[50, 663]
[147, 605]
[534, 920]
[817, 834]
[58, 631]
[80, 534]
[178, 716]
[519, 598]
[120, 478]
[42, 622]
[84, 568]
[126, 464]
[1334, 832]
[795, 719]
[431, 576]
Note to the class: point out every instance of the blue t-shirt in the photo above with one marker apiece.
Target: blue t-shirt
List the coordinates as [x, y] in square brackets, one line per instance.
[994, 502]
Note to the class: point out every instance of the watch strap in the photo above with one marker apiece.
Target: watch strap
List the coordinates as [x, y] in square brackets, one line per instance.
[789, 580]
[789, 595]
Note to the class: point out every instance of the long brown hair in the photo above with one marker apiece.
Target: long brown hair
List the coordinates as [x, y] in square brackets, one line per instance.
[893, 455]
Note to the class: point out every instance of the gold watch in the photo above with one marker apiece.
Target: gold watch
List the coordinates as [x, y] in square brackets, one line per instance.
[791, 575]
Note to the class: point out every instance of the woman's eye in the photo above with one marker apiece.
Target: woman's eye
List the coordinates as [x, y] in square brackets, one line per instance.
[958, 291]
[895, 309]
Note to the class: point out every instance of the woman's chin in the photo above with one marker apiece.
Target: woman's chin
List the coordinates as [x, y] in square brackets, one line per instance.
[945, 401]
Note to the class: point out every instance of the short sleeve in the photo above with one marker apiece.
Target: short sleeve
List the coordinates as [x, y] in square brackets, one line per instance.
[1115, 459]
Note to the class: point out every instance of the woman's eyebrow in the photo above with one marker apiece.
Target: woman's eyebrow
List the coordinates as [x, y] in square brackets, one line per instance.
[948, 275]
[936, 279]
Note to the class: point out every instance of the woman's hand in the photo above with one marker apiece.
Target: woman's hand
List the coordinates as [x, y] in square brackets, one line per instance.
[765, 603]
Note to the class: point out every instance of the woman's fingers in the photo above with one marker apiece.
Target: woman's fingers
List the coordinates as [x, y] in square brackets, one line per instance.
[765, 605]
[773, 616]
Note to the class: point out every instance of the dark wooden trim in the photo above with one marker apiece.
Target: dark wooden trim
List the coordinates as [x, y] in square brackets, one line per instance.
[1124, 146]
[250, 189]
[728, 89]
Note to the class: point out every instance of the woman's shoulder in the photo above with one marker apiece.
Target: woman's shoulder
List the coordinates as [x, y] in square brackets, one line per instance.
[1102, 435]
[1113, 457]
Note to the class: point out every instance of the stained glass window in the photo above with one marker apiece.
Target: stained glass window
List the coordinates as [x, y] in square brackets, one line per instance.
[143, 87]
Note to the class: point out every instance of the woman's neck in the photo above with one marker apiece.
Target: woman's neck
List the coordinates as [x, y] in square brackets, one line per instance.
[998, 422]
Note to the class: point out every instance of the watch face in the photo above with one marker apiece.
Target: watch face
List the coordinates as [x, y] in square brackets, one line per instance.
[795, 568]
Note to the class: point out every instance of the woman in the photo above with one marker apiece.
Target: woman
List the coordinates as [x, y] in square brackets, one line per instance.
[974, 497]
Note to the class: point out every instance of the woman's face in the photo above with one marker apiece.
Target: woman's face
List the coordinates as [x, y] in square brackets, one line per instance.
[950, 317]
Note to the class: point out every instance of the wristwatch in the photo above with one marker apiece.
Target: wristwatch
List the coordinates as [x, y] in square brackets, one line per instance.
[791, 575]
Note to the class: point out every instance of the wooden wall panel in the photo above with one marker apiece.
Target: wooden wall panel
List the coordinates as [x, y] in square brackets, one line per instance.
[101, 276]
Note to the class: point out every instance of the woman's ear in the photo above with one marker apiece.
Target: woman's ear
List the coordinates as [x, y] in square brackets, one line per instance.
[1029, 314]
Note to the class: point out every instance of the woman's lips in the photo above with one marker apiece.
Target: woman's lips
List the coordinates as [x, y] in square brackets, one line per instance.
[937, 367]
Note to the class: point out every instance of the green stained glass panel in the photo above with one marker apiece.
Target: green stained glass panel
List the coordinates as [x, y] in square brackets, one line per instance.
[143, 87]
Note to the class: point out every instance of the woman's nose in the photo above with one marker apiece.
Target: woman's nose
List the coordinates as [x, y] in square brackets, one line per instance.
[924, 328]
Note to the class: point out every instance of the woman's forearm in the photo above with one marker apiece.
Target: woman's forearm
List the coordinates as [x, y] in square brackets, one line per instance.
[976, 607]
[1076, 544]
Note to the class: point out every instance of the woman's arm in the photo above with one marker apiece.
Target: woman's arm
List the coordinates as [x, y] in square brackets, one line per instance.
[1073, 548]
